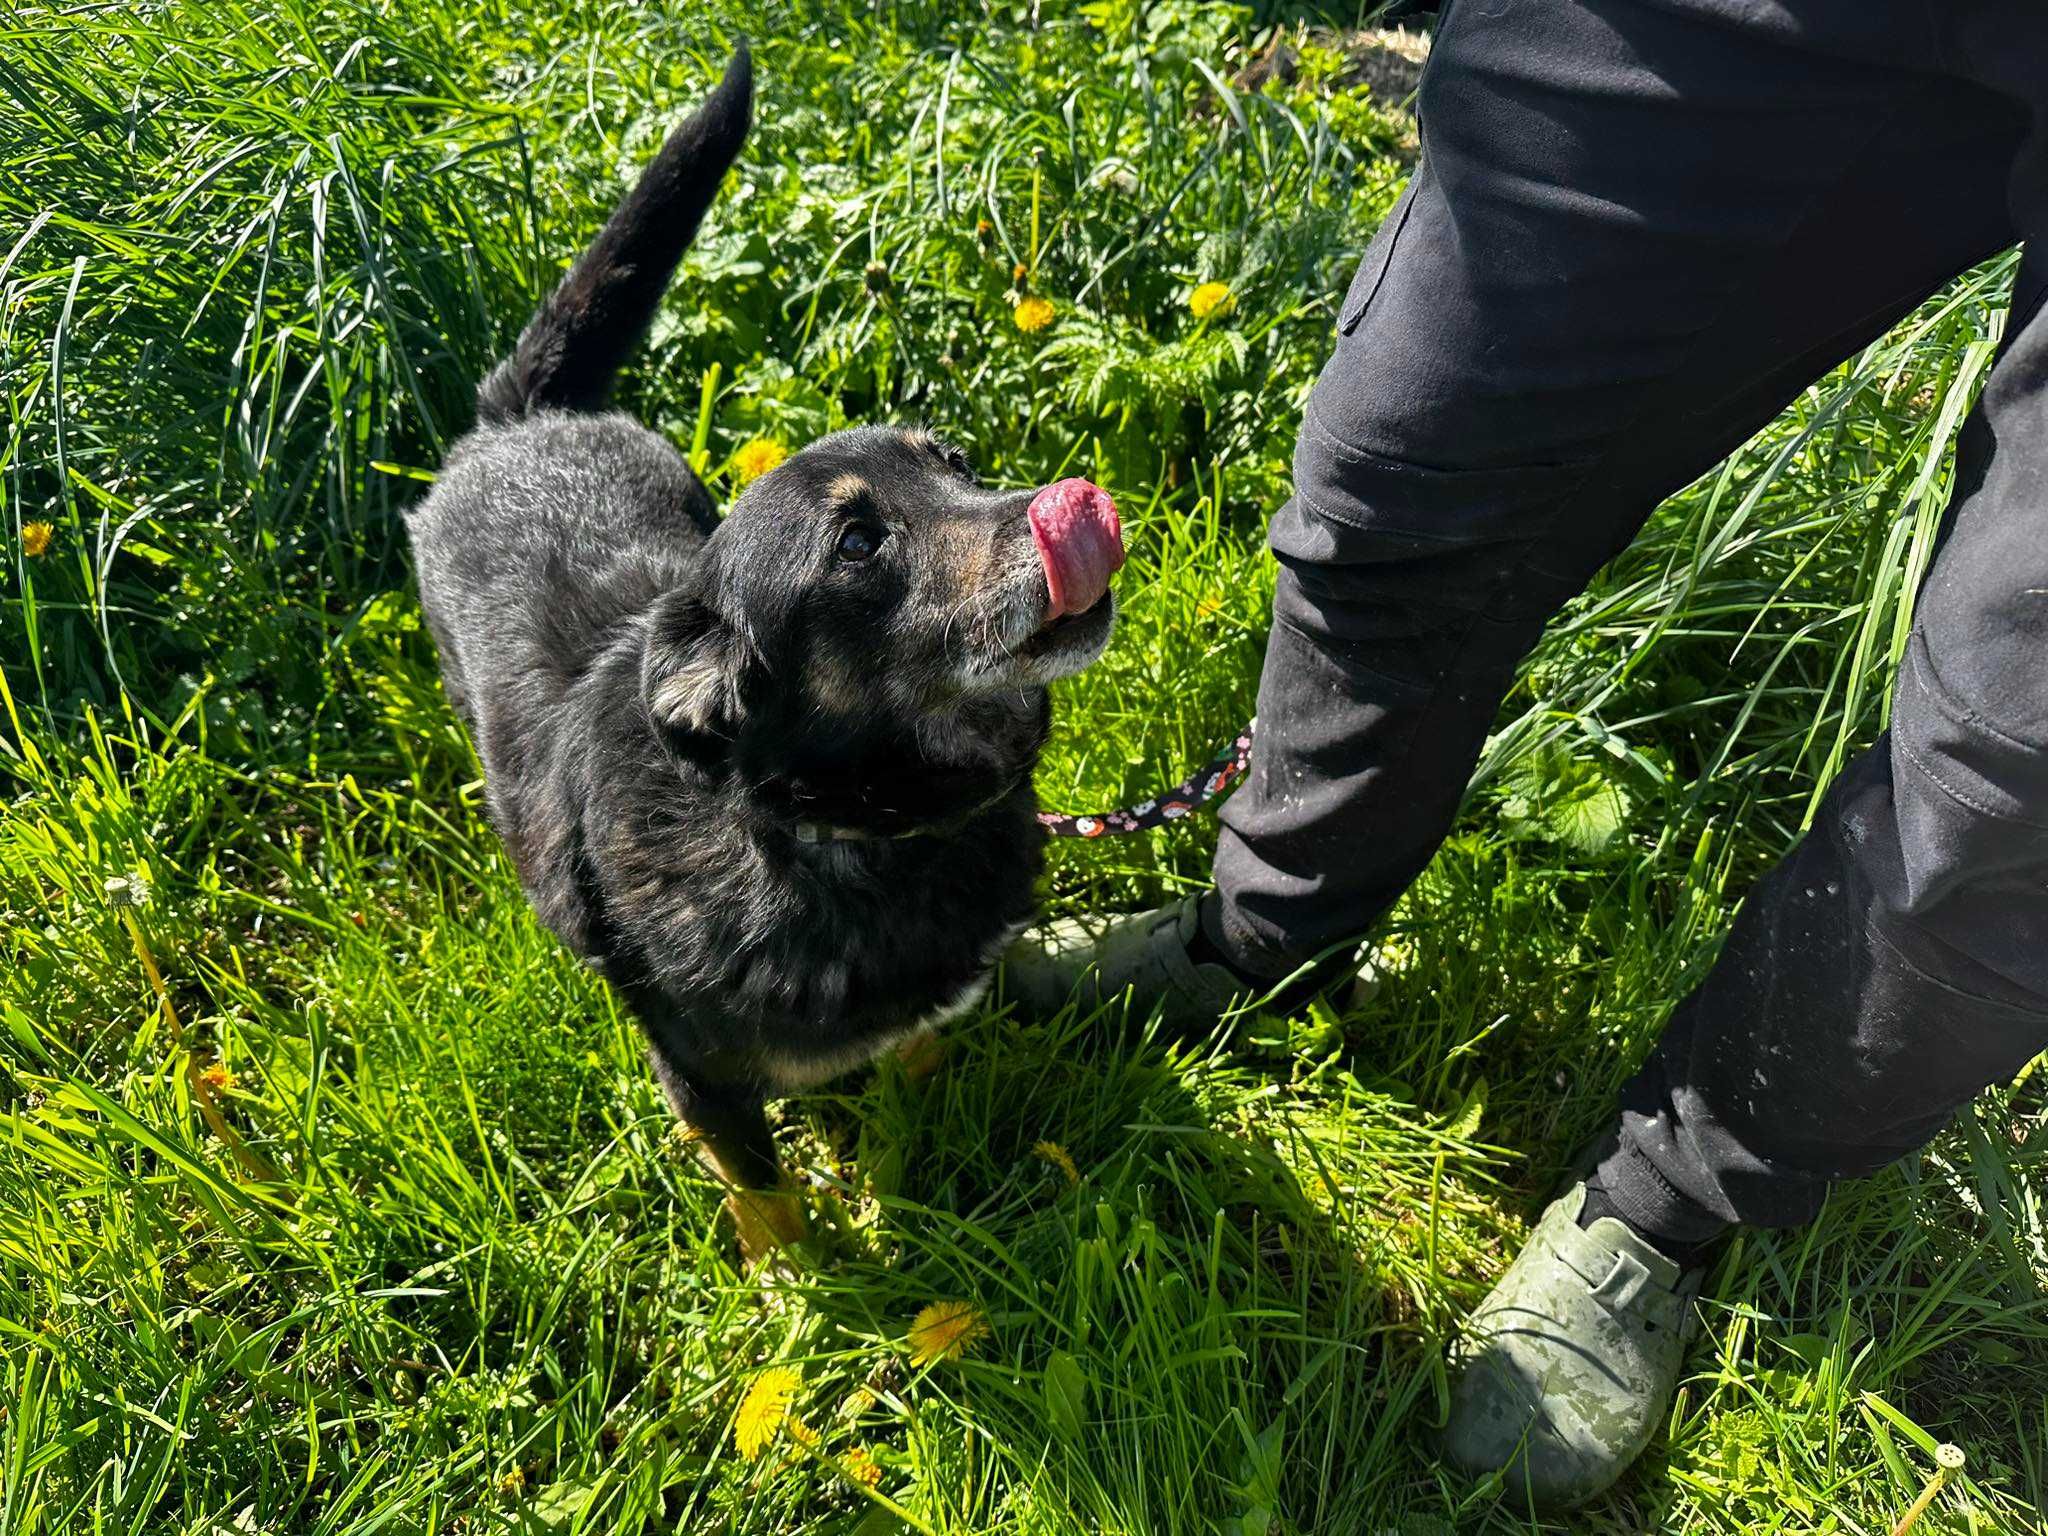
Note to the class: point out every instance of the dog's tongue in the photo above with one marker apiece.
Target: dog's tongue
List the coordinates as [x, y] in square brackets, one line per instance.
[1080, 544]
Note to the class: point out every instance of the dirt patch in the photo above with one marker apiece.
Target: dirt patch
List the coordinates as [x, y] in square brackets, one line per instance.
[1388, 59]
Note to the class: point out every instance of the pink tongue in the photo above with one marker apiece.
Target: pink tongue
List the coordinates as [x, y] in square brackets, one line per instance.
[1080, 544]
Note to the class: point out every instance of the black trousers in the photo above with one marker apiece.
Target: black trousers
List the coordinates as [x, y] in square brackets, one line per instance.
[1638, 229]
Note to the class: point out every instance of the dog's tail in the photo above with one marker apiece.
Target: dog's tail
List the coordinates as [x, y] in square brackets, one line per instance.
[571, 349]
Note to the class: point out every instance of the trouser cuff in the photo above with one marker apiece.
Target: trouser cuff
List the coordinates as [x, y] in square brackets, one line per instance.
[1258, 971]
[1648, 1201]
[1239, 950]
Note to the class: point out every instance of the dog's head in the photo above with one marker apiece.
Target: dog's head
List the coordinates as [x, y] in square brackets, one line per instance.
[871, 586]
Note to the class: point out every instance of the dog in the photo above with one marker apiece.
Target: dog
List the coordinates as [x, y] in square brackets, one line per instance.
[770, 774]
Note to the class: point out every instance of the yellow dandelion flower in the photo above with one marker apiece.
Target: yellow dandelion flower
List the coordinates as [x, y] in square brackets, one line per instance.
[862, 1467]
[1032, 314]
[218, 1078]
[764, 1408]
[513, 1483]
[754, 459]
[945, 1330]
[1060, 1158]
[35, 539]
[1211, 299]
[801, 1432]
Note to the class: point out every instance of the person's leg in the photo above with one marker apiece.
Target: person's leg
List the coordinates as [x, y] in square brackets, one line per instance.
[1897, 961]
[1894, 964]
[1637, 231]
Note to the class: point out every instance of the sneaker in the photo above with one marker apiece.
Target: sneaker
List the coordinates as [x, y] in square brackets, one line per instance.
[1570, 1363]
[1095, 960]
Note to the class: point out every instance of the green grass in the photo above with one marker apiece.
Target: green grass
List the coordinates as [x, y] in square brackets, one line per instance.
[422, 1254]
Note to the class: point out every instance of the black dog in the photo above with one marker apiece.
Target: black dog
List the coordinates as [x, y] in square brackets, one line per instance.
[770, 775]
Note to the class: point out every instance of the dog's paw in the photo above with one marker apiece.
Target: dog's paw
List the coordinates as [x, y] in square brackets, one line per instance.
[769, 1223]
[922, 1054]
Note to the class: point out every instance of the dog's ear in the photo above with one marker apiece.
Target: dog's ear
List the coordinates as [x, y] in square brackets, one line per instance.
[693, 671]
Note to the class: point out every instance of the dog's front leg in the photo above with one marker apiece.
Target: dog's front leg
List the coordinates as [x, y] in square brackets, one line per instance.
[730, 1129]
[923, 1054]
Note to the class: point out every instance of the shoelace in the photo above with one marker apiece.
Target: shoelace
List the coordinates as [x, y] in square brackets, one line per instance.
[1224, 771]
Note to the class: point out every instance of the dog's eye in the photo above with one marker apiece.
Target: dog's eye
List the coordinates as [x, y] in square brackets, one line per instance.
[859, 541]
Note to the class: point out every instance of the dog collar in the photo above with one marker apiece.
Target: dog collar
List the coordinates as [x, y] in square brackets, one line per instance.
[826, 832]
[815, 832]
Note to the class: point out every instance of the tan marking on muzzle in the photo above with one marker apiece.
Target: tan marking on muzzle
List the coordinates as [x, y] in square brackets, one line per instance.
[966, 546]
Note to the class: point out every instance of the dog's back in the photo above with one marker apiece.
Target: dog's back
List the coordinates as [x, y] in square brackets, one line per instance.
[540, 537]
[554, 525]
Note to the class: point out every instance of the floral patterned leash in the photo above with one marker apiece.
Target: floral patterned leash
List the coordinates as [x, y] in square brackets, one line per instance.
[1224, 770]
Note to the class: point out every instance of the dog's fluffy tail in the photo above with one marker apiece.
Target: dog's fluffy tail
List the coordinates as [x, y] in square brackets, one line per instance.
[571, 349]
